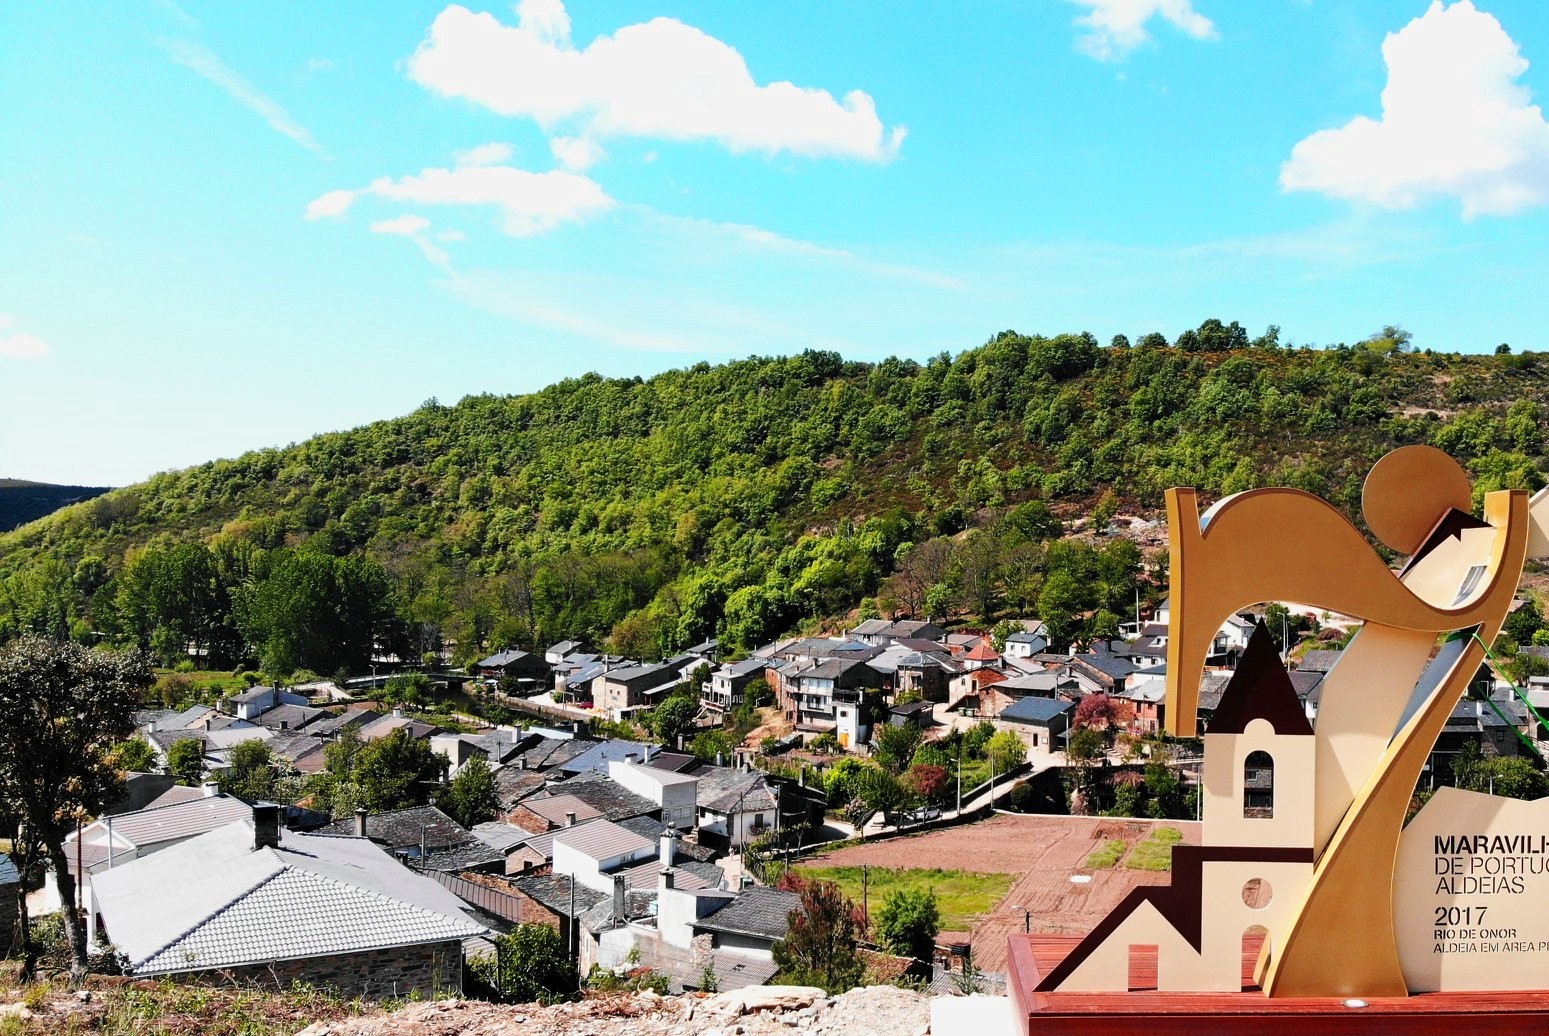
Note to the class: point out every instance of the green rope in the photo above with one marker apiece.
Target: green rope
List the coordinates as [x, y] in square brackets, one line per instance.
[1495, 667]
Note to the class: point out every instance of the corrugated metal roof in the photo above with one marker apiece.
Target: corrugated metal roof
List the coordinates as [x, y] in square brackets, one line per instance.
[601, 839]
[554, 808]
[157, 824]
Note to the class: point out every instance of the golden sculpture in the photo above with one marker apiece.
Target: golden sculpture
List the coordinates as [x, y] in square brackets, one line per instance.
[1331, 842]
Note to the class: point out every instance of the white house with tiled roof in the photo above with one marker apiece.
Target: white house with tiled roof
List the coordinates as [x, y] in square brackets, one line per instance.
[252, 902]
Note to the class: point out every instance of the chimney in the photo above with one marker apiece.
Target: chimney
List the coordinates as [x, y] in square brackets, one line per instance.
[284, 724]
[360, 822]
[210, 789]
[618, 897]
[521, 762]
[668, 849]
[669, 879]
[631, 757]
[397, 713]
[720, 760]
[570, 819]
[266, 826]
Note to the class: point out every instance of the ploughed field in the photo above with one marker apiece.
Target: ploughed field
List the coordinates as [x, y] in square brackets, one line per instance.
[1034, 857]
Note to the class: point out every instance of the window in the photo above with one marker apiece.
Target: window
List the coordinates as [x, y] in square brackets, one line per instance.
[1258, 786]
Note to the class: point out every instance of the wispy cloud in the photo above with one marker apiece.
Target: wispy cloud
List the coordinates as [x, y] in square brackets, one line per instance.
[1116, 27]
[529, 203]
[202, 60]
[17, 345]
[770, 241]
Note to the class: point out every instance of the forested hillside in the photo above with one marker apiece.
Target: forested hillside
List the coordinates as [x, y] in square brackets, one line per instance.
[22, 501]
[746, 499]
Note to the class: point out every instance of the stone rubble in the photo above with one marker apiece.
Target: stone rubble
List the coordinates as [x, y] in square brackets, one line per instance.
[754, 1011]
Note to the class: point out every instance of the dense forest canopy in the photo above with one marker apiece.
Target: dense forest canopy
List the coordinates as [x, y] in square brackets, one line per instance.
[747, 499]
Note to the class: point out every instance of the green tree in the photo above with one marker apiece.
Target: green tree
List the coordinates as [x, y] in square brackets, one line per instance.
[896, 745]
[472, 797]
[63, 708]
[879, 790]
[1005, 751]
[908, 922]
[674, 718]
[251, 772]
[185, 760]
[712, 745]
[529, 965]
[134, 755]
[396, 771]
[408, 689]
[821, 938]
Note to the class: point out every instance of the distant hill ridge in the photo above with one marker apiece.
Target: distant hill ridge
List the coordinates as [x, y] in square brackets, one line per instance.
[23, 501]
[748, 498]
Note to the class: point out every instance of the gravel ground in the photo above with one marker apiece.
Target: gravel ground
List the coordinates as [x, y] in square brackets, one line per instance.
[860, 1012]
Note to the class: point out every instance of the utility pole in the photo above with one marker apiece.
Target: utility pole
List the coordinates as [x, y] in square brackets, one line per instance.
[866, 896]
[959, 778]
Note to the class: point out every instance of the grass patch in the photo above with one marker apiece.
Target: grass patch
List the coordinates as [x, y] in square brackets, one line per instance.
[1107, 856]
[961, 896]
[1156, 852]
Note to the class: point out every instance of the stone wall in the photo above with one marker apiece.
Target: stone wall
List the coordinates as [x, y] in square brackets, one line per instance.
[372, 975]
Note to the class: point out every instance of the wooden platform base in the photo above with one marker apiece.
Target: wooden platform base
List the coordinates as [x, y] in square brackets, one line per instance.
[1250, 1012]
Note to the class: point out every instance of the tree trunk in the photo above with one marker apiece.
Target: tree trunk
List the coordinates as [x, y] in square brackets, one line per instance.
[29, 953]
[74, 924]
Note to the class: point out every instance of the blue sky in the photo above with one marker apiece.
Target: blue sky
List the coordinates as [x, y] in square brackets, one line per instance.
[233, 226]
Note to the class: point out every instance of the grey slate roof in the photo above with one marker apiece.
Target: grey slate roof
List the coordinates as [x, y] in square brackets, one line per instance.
[598, 754]
[761, 912]
[551, 752]
[471, 855]
[613, 801]
[356, 716]
[401, 828]
[499, 835]
[553, 891]
[725, 789]
[291, 717]
[8, 872]
[1318, 661]
[1035, 710]
[215, 902]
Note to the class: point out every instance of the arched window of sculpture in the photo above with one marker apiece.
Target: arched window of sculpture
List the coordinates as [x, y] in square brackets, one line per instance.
[1258, 786]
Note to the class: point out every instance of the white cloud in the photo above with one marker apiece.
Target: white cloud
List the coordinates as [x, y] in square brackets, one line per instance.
[408, 226]
[485, 154]
[334, 203]
[657, 79]
[529, 203]
[576, 153]
[451, 235]
[202, 60]
[1455, 122]
[1116, 27]
[17, 345]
